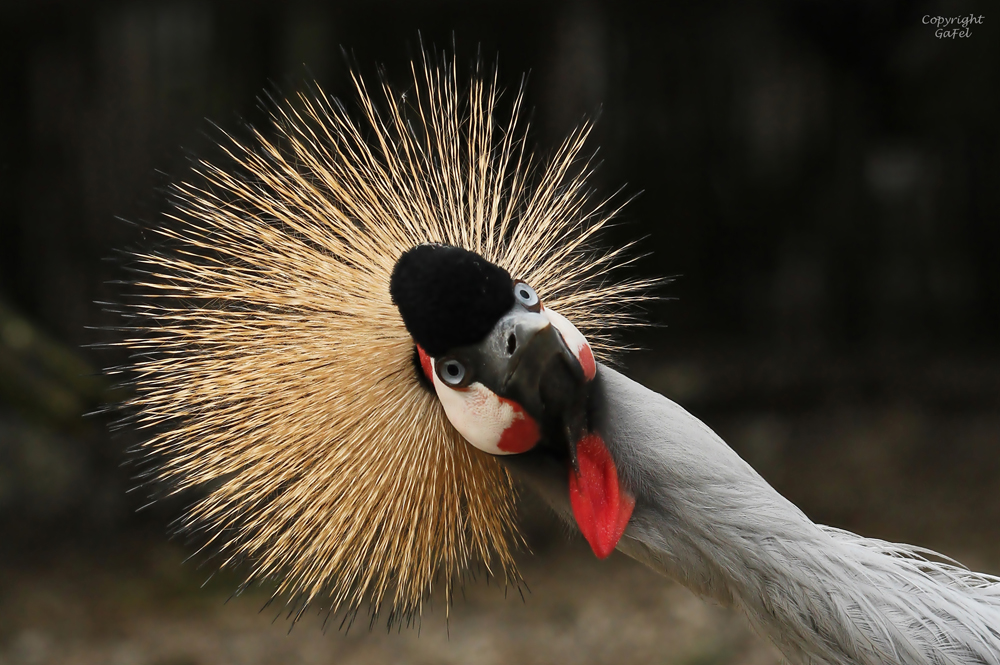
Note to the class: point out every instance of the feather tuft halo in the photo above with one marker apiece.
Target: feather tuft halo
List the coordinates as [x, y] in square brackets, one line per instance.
[273, 375]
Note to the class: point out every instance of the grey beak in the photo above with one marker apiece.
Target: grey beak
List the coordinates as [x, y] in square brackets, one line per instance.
[525, 359]
[547, 380]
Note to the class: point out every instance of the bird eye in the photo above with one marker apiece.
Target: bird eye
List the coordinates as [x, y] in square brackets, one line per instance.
[452, 372]
[527, 296]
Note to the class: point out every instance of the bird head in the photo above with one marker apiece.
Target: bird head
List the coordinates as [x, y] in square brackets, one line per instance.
[342, 307]
[511, 374]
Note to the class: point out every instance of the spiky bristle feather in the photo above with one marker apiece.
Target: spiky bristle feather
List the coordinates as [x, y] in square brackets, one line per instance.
[273, 371]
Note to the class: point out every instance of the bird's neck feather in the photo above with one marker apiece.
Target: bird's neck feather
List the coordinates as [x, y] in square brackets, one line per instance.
[705, 518]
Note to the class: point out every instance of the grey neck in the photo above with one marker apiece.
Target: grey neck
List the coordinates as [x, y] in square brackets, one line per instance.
[705, 518]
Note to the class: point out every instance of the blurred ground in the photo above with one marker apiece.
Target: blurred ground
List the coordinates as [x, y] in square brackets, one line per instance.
[140, 606]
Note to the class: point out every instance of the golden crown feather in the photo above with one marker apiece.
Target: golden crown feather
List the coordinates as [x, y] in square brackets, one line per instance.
[274, 375]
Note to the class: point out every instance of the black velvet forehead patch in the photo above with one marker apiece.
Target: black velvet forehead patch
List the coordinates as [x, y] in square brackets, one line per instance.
[449, 297]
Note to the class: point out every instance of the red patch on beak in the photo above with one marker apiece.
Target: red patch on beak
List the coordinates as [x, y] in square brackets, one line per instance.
[601, 508]
[425, 363]
[522, 434]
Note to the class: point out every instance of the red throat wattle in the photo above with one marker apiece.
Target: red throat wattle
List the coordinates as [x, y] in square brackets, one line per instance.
[601, 507]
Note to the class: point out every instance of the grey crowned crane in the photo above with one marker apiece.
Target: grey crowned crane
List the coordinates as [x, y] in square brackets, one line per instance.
[354, 337]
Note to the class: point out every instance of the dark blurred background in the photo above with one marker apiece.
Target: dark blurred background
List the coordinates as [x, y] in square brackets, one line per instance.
[821, 175]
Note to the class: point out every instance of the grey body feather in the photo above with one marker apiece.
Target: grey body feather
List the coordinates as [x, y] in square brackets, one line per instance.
[705, 518]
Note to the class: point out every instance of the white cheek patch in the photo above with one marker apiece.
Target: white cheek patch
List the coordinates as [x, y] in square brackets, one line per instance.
[489, 422]
[575, 340]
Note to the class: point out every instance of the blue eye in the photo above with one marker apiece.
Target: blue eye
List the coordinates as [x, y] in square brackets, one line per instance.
[452, 372]
[526, 296]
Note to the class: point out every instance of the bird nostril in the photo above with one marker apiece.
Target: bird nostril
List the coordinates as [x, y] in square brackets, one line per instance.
[511, 344]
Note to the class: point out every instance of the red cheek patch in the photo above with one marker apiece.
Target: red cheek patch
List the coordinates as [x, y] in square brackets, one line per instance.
[425, 363]
[522, 434]
[588, 363]
[601, 508]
